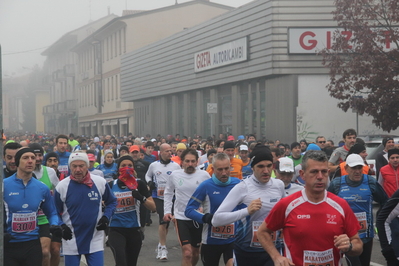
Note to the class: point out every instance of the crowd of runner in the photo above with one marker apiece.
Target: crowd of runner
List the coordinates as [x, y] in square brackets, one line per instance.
[243, 200]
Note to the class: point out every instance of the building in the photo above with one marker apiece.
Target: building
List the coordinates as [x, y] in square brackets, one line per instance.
[101, 109]
[254, 69]
[59, 79]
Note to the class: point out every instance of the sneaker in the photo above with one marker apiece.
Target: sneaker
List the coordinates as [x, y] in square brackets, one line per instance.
[164, 254]
[158, 251]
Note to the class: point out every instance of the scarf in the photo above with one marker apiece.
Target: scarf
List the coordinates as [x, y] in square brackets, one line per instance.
[86, 180]
[126, 175]
[220, 183]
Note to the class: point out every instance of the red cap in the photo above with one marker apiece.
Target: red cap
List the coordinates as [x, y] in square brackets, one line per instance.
[92, 158]
[230, 138]
[134, 148]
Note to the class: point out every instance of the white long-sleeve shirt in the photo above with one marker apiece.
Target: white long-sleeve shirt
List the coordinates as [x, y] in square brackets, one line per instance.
[182, 185]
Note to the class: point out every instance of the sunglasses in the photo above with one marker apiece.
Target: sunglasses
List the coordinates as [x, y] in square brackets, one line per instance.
[322, 142]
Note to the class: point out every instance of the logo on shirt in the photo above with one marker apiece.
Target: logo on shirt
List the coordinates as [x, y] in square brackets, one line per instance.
[303, 216]
[158, 173]
[331, 218]
[25, 206]
[93, 195]
[216, 192]
[273, 200]
[168, 172]
[13, 193]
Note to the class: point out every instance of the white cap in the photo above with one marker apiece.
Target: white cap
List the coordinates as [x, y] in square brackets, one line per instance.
[354, 160]
[153, 140]
[78, 156]
[286, 165]
[243, 147]
[96, 139]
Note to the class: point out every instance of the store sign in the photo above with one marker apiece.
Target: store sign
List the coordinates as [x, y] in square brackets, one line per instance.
[313, 40]
[222, 55]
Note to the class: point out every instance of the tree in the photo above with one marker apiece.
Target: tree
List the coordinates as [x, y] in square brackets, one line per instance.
[367, 63]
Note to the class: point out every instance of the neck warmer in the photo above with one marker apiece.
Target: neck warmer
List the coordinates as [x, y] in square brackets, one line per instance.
[220, 183]
[126, 175]
[86, 180]
[164, 162]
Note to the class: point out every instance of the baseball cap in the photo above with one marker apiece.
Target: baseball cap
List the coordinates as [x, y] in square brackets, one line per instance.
[230, 138]
[92, 157]
[134, 148]
[241, 137]
[354, 160]
[286, 165]
[181, 146]
[153, 140]
[96, 139]
[243, 147]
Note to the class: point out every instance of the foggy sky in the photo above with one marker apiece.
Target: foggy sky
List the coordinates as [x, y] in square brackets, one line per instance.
[28, 27]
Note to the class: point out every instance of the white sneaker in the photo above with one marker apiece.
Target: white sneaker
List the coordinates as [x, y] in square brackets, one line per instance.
[164, 254]
[158, 251]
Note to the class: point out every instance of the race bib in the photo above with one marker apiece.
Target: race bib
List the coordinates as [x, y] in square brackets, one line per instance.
[160, 191]
[223, 232]
[126, 203]
[63, 169]
[40, 212]
[255, 242]
[362, 219]
[23, 222]
[318, 258]
[276, 236]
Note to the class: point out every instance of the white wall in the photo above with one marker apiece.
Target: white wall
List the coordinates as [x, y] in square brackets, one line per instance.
[318, 114]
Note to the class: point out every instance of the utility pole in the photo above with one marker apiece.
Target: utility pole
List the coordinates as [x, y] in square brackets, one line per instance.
[1, 171]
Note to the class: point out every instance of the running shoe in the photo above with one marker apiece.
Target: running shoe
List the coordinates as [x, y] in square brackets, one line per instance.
[164, 254]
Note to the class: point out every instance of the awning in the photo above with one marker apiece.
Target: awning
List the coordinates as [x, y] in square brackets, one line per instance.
[113, 122]
[105, 123]
[123, 121]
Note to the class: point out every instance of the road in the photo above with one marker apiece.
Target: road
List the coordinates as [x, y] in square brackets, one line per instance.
[147, 254]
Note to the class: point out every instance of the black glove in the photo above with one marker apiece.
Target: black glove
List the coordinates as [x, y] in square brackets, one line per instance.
[56, 231]
[102, 223]
[389, 255]
[151, 185]
[207, 218]
[136, 194]
[66, 232]
[6, 238]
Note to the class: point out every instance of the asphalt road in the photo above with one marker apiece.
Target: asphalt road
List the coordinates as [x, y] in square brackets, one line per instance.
[147, 254]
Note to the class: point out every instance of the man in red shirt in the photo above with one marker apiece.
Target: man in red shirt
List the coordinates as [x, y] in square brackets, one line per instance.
[325, 220]
[389, 174]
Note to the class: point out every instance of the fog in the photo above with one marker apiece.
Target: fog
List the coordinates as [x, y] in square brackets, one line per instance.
[28, 27]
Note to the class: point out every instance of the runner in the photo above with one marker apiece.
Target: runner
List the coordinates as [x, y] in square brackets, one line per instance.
[157, 176]
[181, 185]
[216, 241]
[124, 235]
[249, 203]
[318, 226]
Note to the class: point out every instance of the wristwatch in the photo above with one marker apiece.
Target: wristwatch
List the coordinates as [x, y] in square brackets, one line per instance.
[350, 247]
[145, 199]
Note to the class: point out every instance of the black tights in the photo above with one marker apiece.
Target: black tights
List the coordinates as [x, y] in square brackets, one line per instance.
[125, 244]
[364, 258]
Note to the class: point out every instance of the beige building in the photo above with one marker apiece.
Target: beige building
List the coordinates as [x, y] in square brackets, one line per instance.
[100, 108]
[59, 81]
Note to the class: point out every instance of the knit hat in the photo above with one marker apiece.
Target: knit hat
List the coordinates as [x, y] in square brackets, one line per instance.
[393, 151]
[124, 148]
[96, 139]
[260, 153]
[107, 152]
[228, 145]
[36, 147]
[181, 146]
[19, 154]
[78, 156]
[124, 157]
[50, 155]
[385, 140]
[357, 148]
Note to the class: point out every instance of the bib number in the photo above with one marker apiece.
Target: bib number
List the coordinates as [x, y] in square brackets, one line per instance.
[160, 191]
[255, 241]
[126, 203]
[223, 232]
[362, 219]
[318, 258]
[23, 222]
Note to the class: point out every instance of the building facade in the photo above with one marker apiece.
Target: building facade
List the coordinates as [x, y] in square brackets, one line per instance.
[255, 69]
[101, 109]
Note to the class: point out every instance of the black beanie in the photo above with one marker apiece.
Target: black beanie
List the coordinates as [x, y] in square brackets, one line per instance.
[124, 148]
[228, 145]
[357, 148]
[36, 147]
[260, 153]
[124, 157]
[50, 155]
[19, 154]
[392, 151]
[385, 140]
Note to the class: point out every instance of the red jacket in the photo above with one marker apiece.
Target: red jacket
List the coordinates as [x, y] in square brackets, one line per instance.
[389, 179]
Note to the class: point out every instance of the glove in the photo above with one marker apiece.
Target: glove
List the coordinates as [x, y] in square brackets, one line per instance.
[56, 231]
[389, 255]
[66, 232]
[151, 185]
[136, 194]
[207, 218]
[102, 223]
